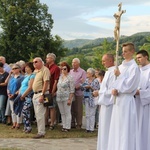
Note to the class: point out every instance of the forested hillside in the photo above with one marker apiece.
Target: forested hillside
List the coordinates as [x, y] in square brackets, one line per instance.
[84, 42]
[137, 39]
[90, 51]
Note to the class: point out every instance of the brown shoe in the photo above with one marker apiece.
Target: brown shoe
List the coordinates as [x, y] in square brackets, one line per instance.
[38, 136]
[17, 127]
[13, 127]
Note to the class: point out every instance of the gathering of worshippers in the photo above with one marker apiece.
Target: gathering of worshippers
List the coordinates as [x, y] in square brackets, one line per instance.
[116, 100]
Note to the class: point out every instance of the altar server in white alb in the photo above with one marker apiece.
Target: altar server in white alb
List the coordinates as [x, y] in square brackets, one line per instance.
[143, 99]
[123, 126]
[104, 100]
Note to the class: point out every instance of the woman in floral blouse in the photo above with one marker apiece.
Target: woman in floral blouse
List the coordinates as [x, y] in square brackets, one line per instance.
[90, 84]
[64, 95]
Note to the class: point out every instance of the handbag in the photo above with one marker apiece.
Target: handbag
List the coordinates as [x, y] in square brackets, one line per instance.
[87, 93]
[48, 100]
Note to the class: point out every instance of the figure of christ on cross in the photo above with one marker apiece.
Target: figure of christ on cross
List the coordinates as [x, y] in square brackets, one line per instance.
[117, 16]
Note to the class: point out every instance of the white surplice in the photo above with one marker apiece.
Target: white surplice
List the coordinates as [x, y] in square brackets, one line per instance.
[106, 108]
[143, 108]
[123, 126]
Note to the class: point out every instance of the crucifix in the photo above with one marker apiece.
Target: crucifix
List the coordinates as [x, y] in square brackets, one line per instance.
[117, 16]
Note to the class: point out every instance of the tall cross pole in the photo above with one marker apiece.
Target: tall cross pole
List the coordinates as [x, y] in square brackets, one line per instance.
[117, 16]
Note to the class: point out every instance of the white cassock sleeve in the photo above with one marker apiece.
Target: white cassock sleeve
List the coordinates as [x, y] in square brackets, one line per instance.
[106, 88]
[145, 94]
[128, 83]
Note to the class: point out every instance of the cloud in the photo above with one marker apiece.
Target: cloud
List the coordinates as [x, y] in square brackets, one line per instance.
[134, 24]
[93, 19]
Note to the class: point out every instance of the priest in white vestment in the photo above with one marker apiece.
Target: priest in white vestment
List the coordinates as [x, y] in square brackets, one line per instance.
[123, 127]
[104, 100]
[143, 100]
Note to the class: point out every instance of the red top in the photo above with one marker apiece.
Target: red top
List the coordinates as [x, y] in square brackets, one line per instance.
[55, 73]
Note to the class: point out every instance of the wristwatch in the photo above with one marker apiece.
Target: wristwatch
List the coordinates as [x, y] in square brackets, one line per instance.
[42, 94]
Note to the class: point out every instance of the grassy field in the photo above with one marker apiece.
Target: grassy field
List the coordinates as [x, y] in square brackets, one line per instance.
[9, 148]
[7, 132]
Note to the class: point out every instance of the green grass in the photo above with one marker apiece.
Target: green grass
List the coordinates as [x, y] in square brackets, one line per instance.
[7, 132]
[11, 148]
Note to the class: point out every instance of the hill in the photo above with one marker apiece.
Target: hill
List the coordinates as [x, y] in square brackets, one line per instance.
[80, 43]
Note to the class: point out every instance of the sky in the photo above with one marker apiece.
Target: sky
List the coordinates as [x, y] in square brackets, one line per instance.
[91, 19]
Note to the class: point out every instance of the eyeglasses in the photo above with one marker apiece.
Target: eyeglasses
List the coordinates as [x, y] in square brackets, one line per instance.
[35, 62]
[14, 68]
[63, 68]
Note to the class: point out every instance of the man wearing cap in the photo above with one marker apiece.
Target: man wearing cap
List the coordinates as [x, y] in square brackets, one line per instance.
[40, 87]
[55, 73]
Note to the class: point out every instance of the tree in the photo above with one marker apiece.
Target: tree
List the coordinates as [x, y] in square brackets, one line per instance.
[26, 28]
[106, 47]
[146, 45]
[56, 46]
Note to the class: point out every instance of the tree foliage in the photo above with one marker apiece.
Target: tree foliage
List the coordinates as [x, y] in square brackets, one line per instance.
[106, 47]
[90, 57]
[146, 45]
[93, 53]
[26, 30]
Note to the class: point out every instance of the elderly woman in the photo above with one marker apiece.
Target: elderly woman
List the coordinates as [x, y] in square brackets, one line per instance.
[89, 86]
[64, 95]
[26, 95]
[14, 84]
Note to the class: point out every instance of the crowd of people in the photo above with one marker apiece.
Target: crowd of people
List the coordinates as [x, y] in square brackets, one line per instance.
[116, 101]
[23, 87]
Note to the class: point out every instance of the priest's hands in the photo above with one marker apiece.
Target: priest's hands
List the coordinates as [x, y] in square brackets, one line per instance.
[137, 92]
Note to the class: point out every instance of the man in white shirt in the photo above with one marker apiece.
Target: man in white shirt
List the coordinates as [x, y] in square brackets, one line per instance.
[123, 126]
[143, 99]
[104, 100]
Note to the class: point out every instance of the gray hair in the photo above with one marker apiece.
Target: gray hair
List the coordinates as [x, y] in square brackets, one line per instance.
[40, 59]
[91, 70]
[16, 66]
[21, 63]
[3, 58]
[77, 60]
[51, 55]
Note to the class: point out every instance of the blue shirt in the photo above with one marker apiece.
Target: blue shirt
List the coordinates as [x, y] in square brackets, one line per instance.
[14, 83]
[25, 83]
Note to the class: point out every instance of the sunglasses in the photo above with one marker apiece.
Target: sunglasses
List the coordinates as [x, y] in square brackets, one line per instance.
[35, 62]
[63, 68]
[14, 68]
